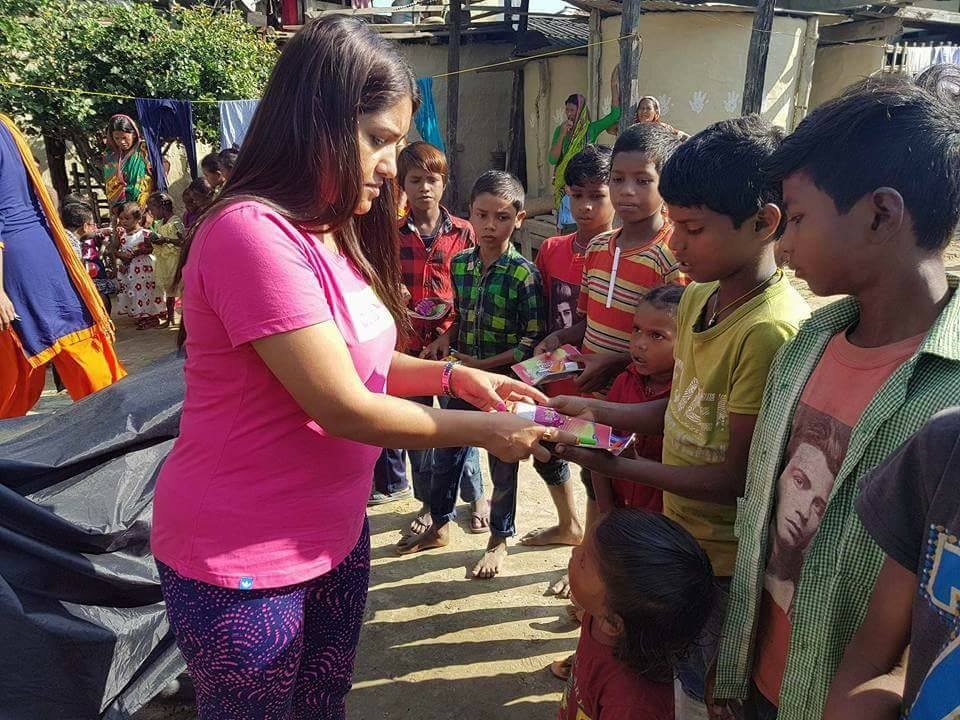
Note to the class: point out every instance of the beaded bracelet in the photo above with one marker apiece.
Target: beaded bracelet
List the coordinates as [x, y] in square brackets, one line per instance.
[445, 376]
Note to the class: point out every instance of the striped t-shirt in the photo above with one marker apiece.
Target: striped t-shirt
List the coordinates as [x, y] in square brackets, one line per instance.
[639, 270]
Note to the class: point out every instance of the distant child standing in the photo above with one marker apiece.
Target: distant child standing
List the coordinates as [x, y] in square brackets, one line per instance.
[646, 587]
[213, 170]
[499, 318]
[166, 249]
[560, 261]
[87, 239]
[228, 160]
[140, 297]
[648, 377]
[196, 198]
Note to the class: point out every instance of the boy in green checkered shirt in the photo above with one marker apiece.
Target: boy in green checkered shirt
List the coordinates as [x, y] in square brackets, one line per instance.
[500, 313]
[871, 193]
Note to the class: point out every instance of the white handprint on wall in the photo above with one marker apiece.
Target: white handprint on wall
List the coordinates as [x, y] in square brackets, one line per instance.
[698, 101]
[559, 116]
[666, 102]
[732, 103]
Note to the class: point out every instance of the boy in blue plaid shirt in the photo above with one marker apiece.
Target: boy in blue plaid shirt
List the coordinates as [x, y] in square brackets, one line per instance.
[500, 317]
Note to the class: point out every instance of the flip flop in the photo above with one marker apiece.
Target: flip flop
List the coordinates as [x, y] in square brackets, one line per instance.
[480, 521]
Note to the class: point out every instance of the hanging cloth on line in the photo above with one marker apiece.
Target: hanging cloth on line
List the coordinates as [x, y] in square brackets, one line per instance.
[426, 118]
[235, 117]
[167, 120]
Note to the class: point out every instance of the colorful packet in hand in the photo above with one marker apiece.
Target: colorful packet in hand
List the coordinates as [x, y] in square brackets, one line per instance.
[548, 367]
[588, 434]
[429, 309]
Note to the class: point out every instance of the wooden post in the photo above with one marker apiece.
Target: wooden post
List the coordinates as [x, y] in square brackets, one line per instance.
[516, 155]
[629, 62]
[594, 60]
[453, 105]
[757, 57]
[801, 101]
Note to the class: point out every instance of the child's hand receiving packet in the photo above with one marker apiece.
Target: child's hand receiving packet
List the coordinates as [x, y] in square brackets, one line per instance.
[549, 366]
[589, 434]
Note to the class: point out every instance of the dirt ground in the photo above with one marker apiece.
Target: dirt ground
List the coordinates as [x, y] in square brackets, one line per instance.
[436, 642]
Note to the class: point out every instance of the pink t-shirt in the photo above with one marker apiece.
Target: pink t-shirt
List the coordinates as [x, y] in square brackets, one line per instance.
[255, 494]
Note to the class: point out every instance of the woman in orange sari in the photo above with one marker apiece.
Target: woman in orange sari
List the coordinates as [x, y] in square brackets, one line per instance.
[50, 310]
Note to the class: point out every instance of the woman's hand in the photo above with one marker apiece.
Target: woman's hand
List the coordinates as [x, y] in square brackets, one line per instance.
[573, 406]
[7, 312]
[488, 391]
[512, 438]
[549, 344]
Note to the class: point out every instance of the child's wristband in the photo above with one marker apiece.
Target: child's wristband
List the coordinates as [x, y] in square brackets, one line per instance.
[445, 387]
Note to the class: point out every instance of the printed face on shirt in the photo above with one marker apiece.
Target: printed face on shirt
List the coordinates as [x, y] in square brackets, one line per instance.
[380, 135]
[651, 345]
[123, 140]
[494, 221]
[823, 246]
[423, 189]
[707, 245]
[817, 445]
[591, 207]
[634, 188]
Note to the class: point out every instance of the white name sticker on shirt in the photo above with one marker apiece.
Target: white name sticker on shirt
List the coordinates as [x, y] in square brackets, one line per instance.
[369, 316]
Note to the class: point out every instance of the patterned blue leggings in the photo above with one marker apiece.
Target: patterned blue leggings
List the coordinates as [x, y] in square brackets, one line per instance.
[279, 654]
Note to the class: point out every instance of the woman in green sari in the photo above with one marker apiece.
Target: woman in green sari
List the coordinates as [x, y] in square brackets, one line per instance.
[127, 174]
[569, 138]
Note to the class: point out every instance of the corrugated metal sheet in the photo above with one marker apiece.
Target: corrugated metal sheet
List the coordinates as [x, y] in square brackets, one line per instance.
[561, 31]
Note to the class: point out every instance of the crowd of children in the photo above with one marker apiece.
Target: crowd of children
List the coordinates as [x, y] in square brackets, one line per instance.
[736, 545]
[136, 258]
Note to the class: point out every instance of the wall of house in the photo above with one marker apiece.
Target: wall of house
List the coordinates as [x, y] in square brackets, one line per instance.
[695, 62]
[547, 84]
[484, 124]
[838, 66]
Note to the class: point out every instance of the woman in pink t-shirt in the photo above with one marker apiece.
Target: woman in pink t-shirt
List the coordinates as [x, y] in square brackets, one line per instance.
[292, 300]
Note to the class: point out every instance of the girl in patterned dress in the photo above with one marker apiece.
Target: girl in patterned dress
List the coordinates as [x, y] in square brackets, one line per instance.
[140, 297]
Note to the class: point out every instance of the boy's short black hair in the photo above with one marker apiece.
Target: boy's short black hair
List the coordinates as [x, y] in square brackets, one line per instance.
[502, 185]
[654, 140]
[722, 168]
[228, 157]
[884, 132]
[592, 164]
[212, 162]
[666, 297]
[75, 215]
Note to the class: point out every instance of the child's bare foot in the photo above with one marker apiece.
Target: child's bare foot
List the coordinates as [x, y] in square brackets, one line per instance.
[561, 669]
[561, 588]
[480, 516]
[422, 522]
[492, 561]
[555, 535]
[575, 613]
[429, 539]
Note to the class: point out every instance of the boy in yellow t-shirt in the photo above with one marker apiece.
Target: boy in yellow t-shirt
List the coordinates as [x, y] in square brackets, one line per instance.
[731, 322]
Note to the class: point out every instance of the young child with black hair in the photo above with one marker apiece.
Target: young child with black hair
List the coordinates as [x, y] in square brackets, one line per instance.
[87, 239]
[166, 249]
[140, 298]
[196, 198]
[647, 588]
[499, 317]
[228, 161]
[730, 323]
[213, 169]
[871, 192]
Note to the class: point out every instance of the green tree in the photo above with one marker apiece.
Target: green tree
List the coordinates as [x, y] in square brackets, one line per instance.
[130, 49]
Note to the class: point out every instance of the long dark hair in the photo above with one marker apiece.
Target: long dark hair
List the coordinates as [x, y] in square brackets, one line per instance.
[301, 154]
[660, 582]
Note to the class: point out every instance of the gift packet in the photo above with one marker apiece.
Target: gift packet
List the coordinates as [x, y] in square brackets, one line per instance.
[548, 367]
[588, 434]
[429, 309]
